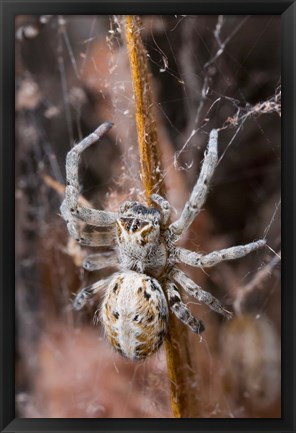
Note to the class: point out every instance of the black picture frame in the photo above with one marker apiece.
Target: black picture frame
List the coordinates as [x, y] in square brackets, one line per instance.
[9, 8]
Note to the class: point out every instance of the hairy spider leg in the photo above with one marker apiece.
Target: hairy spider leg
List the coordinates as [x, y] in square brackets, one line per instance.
[86, 294]
[199, 192]
[70, 208]
[198, 293]
[94, 262]
[205, 261]
[180, 310]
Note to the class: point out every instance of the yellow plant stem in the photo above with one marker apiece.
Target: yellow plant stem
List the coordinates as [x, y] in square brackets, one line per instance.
[146, 125]
[177, 353]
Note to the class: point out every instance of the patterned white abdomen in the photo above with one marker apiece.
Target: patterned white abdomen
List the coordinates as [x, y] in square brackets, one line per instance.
[135, 314]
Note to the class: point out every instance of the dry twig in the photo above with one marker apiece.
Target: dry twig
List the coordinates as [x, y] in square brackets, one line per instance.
[183, 400]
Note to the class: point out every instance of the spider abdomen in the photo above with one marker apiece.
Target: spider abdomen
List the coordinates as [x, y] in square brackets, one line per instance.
[135, 314]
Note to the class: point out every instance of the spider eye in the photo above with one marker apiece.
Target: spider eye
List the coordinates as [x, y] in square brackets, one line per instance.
[132, 224]
[135, 225]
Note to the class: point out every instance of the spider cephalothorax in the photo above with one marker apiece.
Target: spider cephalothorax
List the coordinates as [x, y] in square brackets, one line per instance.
[142, 242]
[138, 238]
[139, 225]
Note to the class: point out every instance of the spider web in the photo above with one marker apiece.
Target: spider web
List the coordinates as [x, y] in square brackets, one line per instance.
[207, 72]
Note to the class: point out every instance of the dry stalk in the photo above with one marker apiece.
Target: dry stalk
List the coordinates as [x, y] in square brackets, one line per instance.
[183, 397]
[146, 125]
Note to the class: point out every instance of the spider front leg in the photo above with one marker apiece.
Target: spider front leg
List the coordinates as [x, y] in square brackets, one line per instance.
[164, 206]
[180, 310]
[76, 230]
[197, 292]
[199, 192]
[71, 205]
[74, 226]
[205, 261]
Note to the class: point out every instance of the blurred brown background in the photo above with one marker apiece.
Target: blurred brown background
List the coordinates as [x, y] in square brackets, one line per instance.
[72, 73]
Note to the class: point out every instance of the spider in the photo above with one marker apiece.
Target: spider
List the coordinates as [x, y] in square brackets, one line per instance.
[135, 308]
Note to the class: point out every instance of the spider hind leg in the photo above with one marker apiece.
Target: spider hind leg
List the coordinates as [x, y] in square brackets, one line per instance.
[181, 311]
[86, 294]
[198, 293]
